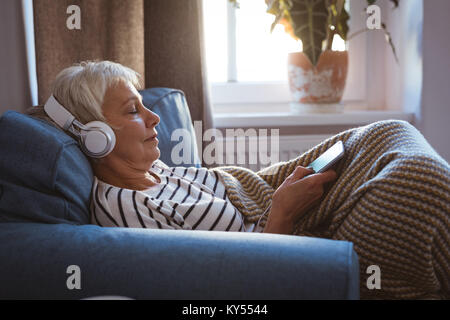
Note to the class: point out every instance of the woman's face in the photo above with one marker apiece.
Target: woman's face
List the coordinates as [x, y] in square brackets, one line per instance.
[136, 142]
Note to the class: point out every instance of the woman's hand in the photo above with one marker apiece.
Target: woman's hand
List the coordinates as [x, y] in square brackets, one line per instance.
[294, 197]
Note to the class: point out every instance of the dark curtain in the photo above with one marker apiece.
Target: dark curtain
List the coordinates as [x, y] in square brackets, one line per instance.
[174, 52]
[110, 30]
[160, 39]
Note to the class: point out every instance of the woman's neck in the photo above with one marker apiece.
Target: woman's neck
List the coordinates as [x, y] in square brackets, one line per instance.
[125, 177]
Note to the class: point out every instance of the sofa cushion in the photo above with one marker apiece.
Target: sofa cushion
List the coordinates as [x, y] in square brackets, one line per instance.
[44, 175]
[171, 106]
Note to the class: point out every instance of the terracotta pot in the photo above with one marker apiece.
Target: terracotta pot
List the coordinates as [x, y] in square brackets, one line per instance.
[317, 85]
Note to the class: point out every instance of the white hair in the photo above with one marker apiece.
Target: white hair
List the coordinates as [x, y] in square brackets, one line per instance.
[81, 89]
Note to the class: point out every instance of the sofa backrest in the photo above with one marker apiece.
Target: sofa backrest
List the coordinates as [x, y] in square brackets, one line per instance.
[171, 106]
[45, 177]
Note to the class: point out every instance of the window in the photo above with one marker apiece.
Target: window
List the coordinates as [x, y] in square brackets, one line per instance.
[248, 65]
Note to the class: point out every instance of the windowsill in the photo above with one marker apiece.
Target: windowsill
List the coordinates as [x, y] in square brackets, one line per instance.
[280, 116]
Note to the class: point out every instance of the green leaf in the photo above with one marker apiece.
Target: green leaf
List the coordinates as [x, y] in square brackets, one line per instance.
[342, 24]
[310, 22]
[340, 6]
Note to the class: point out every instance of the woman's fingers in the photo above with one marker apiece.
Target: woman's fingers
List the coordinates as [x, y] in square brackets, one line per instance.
[299, 191]
[301, 172]
[328, 176]
[322, 178]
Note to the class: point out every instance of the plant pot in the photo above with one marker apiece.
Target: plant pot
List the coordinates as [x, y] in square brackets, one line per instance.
[318, 88]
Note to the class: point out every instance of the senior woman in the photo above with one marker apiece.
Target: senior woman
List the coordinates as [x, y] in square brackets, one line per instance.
[388, 195]
[132, 188]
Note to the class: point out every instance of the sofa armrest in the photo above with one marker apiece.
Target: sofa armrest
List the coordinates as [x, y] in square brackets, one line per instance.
[166, 264]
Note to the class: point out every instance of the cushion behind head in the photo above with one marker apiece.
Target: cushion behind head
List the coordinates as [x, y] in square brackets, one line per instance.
[44, 176]
[171, 106]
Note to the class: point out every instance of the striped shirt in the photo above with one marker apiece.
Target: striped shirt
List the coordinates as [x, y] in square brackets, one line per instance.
[186, 198]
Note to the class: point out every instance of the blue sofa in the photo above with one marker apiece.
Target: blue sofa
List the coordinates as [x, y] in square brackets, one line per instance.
[45, 185]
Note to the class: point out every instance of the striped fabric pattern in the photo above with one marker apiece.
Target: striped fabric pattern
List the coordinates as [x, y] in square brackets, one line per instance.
[186, 198]
[391, 199]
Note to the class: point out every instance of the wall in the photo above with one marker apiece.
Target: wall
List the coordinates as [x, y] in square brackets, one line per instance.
[419, 83]
[404, 79]
[434, 120]
[14, 80]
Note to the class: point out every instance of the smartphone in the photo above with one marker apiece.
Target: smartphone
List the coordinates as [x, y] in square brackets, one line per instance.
[328, 158]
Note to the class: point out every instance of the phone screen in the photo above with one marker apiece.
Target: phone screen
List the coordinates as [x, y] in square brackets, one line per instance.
[330, 157]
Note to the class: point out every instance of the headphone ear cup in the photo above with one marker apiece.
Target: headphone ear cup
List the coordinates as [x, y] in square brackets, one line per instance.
[98, 139]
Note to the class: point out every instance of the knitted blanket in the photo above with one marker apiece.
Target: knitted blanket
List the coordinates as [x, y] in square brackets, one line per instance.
[391, 199]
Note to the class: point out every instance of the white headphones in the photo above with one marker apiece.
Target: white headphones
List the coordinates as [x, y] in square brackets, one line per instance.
[96, 138]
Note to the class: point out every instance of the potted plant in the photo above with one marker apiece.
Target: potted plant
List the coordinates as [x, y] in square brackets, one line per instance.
[317, 75]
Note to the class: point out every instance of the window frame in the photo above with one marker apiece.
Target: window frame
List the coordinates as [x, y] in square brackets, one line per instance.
[232, 95]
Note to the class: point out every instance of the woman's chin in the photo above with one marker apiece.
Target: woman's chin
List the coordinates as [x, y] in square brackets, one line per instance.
[157, 154]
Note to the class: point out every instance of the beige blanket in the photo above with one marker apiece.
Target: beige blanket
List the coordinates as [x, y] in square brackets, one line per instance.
[391, 199]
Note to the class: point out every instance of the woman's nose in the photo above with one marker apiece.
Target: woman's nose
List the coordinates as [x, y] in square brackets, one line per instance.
[152, 119]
